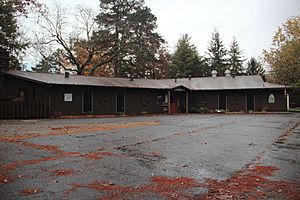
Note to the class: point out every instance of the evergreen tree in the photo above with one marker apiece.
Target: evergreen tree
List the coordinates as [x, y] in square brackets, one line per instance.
[10, 35]
[185, 60]
[255, 68]
[236, 58]
[217, 54]
[9, 32]
[45, 66]
[130, 26]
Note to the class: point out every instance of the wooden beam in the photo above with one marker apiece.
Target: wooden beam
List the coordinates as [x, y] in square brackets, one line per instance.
[169, 102]
[187, 101]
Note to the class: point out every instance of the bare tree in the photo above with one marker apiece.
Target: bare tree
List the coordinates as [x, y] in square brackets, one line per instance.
[75, 45]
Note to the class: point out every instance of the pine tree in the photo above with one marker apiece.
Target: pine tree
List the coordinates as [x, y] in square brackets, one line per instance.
[217, 54]
[236, 58]
[10, 34]
[185, 60]
[45, 66]
[255, 68]
[130, 26]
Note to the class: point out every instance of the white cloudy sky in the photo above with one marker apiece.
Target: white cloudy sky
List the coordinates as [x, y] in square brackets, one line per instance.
[251, 22]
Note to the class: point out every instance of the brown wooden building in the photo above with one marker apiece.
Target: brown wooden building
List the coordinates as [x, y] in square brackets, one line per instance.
[37, 95]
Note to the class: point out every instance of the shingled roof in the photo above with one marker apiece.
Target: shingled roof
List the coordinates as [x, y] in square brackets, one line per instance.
[202, 83]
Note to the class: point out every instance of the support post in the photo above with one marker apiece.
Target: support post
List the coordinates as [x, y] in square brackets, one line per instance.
[169, 102]
[287, 102]
[187, 101]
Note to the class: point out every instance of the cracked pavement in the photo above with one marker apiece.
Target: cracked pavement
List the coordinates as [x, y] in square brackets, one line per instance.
[218, 156]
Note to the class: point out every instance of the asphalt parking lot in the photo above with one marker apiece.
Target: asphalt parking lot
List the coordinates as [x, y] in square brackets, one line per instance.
[239, 156]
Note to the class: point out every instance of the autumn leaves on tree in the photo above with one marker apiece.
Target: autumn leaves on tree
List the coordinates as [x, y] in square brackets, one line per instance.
[122, 40]
[284, 55]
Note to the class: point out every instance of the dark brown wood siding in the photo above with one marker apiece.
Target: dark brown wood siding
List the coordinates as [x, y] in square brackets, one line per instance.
[144, 101]
[61, 107]
[237, 100]
[104, 101]
[137, 101]
[263, 103]
[208, 99]
[34, 103]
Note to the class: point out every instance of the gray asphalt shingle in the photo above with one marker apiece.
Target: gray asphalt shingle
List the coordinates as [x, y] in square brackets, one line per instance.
[197, 83]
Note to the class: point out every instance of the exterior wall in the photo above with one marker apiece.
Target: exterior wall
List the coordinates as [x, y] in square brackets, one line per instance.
[104, 101]
[264, 105]
[137, 101]
[21, 99]
[61, 107]
[144, 101]
[237, 100]
[208, 99]
[10, 88]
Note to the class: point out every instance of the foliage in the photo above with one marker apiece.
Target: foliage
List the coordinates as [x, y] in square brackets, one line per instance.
[283, 56]
[160, 69]
[45, 66]
[217, 54]
[185, 60]
[255, 68]
[10, 35]
[130, 26]
[9, 32]
[80, 50]
[236, 59]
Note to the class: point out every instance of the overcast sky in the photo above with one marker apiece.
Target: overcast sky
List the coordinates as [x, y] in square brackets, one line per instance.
[251, 22]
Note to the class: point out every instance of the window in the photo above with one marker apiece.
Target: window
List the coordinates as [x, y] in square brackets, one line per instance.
[87, 101]
[22, 94]
[120, 102]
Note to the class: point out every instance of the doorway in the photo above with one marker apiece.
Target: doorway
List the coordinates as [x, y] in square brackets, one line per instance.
[222, 101]
[178, 102]
[87, 101]
[250, 102]
[120, 102]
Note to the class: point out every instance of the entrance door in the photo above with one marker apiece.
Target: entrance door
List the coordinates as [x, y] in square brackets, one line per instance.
[250, 102]
[177, 102]
[120, 102]
[87, 101]
[181, 102]
[222, 101]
